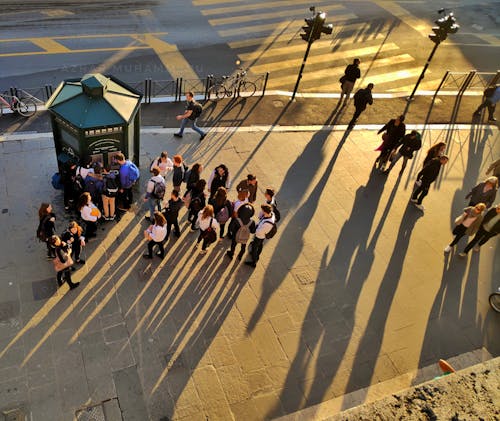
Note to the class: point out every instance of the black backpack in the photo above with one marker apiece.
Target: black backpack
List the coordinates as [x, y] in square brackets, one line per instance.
[197, 110]
[110, 186]
[186, 173]
[158, 190]
[273, 231]
[196, 204]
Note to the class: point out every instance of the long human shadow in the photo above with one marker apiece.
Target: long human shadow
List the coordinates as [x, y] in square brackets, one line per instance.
[328, 323]
[368, 350]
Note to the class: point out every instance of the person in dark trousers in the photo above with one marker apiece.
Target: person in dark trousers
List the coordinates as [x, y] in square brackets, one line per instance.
[219, 178]
[362, 98]
[466, 224]
[491, 97]
[62, 251]
[74, 237]
[47, 220]
[484, 192]
[125, 191]
[190, 115]
[266, 222]
[244, 218]
[68, 174]
[425, 178]
[489, 228]
[223, 209]
[251, 185]
[178, 172]
[394, 131]
[194, 176]
[171, 213]
[411, 143]
[197, 202]
[155, 235]
[351, 73]
[435, 151]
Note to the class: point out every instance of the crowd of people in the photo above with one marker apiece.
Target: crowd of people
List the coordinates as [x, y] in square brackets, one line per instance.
[97, 195]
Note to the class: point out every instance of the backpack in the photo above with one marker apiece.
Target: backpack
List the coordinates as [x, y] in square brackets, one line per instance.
[197, 110]
[223, 215]
[243, 233]
[273, 231]
[154, 163]
[488, 92]
[196, 204]
[110, 186]
[57, 181]
[186, 173]
[92, 188]
[133, 174]
[40, 231]
[78, 183]
[209, 234]
[158, 190]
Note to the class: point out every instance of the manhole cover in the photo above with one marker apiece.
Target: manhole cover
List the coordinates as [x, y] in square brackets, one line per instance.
[93, 413]
[303, 277]
[44, 289]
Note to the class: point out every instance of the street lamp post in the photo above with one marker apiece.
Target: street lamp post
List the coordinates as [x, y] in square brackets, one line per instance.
[446, 25]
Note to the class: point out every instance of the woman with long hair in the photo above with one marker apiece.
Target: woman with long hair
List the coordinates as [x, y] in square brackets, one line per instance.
[74, 237]
[155, 235]
[208, 228]
[46, 227]
[434, 151]
[219, 178]
[89, 213]
[223, 209]
[62, 252]
[467, 224]
[197, 202]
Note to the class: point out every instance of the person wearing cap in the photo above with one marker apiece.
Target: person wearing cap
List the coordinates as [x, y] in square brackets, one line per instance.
[250, 185]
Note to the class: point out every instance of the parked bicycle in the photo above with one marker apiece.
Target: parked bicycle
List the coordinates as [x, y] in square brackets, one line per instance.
[236, 85]
[23, 106]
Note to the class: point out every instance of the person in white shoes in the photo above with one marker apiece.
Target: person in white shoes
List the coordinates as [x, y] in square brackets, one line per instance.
[467, 223]
[489, 228]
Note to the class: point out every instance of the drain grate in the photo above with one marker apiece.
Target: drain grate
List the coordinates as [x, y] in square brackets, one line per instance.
[92, 413]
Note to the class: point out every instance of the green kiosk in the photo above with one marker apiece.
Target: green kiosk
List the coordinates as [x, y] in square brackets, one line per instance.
[95, 117]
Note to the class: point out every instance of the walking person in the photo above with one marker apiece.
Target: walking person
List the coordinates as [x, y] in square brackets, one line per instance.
[362, 98]
[411, 143]
[193, 111]
[178, 172]
[129, 174]
[264, 227]
[494, 169]
[109, 192]
[197, 202]
[219, 178]
[62, 261]
[484, 192]
[208, 228]
[489, 228]
[223, 209]
[425, 178]
[171, 213]
[242, 226]
[466, 224]
[89, 213]
[163, 162]
[155, 235]
[155, 192]
[194, 177]
[491, 97]
[74, 237]
[250, 184]
[351, 74]
[394, 131]
[434, 151]
[46, 227]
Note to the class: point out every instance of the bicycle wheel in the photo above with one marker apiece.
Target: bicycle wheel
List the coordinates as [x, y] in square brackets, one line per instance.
[25, 106]
[247, 89]
[494, 300]
[216, 92]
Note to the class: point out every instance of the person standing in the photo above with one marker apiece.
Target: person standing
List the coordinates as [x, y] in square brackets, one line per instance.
[171, 213]
[251, 185]
[434, 151]
[219, 178]
[223, 209]
[109, 191]
[164, 163]
[197, 202]
[193, 111]
[46, 227]
[362, 98]
[491, 97]
[74, 237]
[489, 228]
[155, 235]
[265, 225]
[494, 169]
[208, 228]
[484, 192]
[351, 73]
[242, 227]
[129, 174]
[394, 131]
[425, 178]
[178, 172]
[411, 143]
[62, 252]
[155, 191]
[466, 224]
[89, 213]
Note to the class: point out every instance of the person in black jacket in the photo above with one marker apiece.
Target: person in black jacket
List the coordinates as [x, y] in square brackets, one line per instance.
[171, 213]
[351, 73]
[489, 228]
[73, 236]
[394, 131]
[362, 98]
[197, 202]
[62, 251]
[425, 178]
[223, 209]
[411, 143]
[47, 226]
[244, 217]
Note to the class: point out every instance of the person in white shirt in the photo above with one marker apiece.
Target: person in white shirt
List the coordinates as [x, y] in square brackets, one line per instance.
[150, 198]
[89, 213]
[155, 235]
[266, 223]
[164, 163]
[209, 227]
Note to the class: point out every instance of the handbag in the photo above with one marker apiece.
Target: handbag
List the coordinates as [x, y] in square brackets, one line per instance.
[342, 79]
[209, 234]
[58, 265]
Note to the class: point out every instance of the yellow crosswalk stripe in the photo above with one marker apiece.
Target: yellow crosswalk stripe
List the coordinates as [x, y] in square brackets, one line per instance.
[88, 50]
[394, 76]
[264, 16]
[258, 6]
[324, 58]
[273, 26]
[57, 13]
[333, 73]
[50, 46]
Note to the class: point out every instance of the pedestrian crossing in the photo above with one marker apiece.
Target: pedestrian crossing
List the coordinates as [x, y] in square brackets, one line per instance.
[265, 37]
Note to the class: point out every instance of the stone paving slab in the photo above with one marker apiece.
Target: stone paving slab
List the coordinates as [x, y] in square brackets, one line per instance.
[354, 290]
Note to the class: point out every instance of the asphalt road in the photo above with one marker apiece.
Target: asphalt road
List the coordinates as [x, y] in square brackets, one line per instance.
[46, 43]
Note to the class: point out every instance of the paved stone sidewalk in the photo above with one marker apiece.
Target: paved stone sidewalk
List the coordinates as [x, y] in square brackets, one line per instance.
[353, 290]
